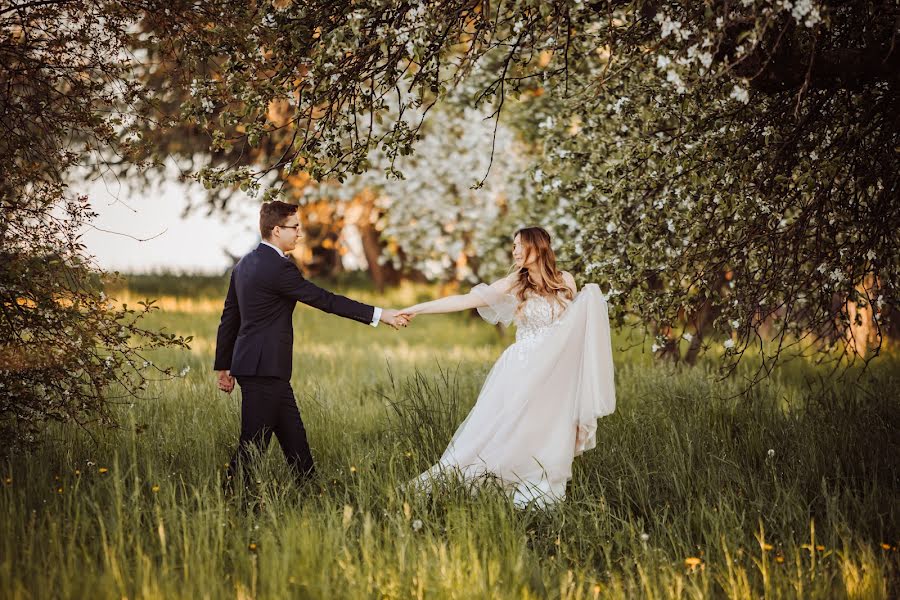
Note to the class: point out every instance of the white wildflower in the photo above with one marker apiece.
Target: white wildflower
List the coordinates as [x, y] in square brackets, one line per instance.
[729, 344]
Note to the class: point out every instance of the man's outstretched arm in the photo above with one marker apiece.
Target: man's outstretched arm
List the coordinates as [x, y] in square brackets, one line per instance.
[293, 285]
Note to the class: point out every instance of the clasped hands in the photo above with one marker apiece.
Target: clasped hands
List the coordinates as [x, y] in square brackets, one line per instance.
[396, 318]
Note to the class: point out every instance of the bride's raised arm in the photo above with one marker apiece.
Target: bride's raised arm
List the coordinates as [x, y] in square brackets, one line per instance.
[494, 297]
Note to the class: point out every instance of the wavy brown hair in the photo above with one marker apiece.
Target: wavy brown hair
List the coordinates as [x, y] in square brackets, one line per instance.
[547, 280]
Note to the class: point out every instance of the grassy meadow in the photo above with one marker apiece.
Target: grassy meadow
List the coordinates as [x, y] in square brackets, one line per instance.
[787, 491]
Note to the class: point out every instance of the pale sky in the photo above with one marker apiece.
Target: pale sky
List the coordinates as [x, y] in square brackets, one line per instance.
[193, 244]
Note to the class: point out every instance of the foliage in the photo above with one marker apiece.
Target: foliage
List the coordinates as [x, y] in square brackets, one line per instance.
[66, 352]
[728, 166]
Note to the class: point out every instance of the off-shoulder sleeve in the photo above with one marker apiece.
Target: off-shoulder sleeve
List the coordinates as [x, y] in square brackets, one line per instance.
[500, 306]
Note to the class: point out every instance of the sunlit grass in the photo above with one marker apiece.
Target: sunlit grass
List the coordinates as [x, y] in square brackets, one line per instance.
[694, 490]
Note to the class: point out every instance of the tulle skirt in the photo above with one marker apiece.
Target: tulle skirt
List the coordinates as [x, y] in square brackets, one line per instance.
[538, 408]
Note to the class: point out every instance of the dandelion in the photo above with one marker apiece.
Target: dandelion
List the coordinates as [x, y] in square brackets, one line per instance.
[810, 547]
[417, 525]
[352, 469]
[252, 547]
[103, 470]
[77, 472]
[59, 490]
[779, 559]
[597, 590]
[692, 562]
[766, 547]
[155, 488]
[885, 546]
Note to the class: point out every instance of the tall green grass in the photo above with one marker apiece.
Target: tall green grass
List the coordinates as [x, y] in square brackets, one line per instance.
[696, 489]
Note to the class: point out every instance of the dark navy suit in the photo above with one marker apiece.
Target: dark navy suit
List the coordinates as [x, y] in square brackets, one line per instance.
[255, 342]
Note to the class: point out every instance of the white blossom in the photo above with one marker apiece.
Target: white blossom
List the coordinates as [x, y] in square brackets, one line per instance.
[740, 94]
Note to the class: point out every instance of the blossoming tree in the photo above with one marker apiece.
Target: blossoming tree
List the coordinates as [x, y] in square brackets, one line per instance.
[729, 169]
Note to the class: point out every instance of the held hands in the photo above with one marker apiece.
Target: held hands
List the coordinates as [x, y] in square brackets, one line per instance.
[225, 381]
[395, 318]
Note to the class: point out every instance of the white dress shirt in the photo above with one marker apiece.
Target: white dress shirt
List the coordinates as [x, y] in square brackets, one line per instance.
[376, 316]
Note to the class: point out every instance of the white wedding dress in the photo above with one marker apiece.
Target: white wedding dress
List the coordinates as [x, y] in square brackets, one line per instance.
[539, 405]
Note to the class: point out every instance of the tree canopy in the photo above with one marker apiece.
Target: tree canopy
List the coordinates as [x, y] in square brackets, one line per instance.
[727, 168]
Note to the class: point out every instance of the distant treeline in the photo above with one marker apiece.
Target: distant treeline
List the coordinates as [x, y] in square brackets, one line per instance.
[170, 283]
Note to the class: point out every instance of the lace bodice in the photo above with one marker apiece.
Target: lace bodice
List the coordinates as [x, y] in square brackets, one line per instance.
[536, 316]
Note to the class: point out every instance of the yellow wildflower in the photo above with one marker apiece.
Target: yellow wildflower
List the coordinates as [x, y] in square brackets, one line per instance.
[155, 488]
[885, 546]
[103, 470]
[692, 561]
[766, 547]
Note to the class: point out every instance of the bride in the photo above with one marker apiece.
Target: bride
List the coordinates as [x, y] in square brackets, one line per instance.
[539, 405]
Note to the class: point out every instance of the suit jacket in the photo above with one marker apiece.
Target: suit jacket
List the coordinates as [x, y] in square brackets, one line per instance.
[256, 336]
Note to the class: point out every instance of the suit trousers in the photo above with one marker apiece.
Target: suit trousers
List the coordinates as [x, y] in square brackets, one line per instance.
[268, 406]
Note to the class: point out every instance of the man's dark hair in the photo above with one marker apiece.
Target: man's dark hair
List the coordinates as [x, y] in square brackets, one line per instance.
[274, 213]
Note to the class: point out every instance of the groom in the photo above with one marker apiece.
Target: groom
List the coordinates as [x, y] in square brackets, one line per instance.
[255, 339]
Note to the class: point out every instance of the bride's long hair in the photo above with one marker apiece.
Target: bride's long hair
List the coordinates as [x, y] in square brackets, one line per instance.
[547, 280]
